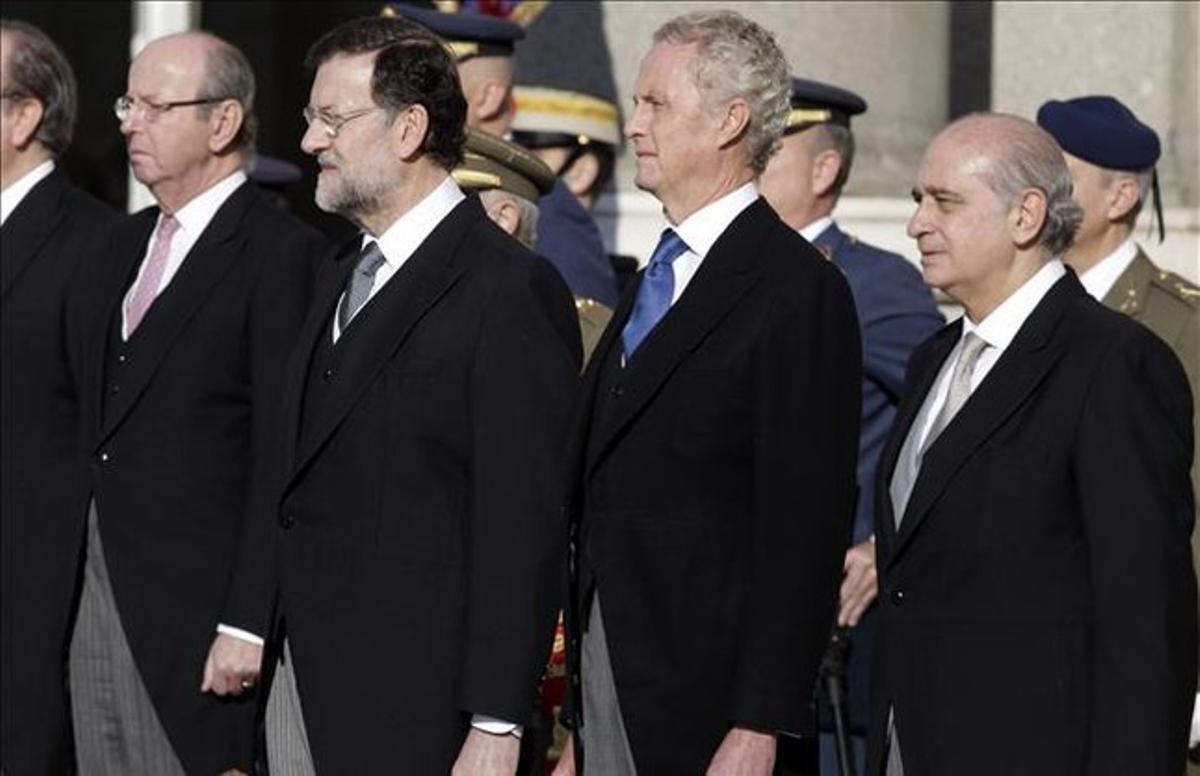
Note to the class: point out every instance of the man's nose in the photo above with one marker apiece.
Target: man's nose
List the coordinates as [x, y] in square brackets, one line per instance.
[314, 139]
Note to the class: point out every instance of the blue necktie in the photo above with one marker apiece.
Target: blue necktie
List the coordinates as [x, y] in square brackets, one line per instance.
[654, 294]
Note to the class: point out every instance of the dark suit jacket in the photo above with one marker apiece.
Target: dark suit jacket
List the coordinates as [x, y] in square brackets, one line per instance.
[896, 312]
[712, 485]
[1038, 603]
[43, 498]
[420, 547]
[176, 430]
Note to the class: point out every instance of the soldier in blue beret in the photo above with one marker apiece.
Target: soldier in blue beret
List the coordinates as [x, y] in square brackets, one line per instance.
[1112, 157]
[896, 312]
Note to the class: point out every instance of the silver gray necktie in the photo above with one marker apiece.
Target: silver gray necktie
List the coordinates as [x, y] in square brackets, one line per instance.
[908, 465]
[361, 280]
[960, 386]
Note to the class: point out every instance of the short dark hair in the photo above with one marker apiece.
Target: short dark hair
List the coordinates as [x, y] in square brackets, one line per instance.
[412, 67]
[38, 69]
[835, 137]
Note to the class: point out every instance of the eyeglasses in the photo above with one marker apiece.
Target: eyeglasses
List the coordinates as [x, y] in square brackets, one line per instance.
[332, 123]
[124, 106]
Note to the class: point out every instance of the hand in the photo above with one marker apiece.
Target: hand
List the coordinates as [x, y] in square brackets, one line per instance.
[486, 754]
[232, 666]
[860, 583]
[744, 752]
[566, 763]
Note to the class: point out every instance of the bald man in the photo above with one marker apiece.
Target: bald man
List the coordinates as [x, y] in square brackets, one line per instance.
[1038, 606]
[181, 332]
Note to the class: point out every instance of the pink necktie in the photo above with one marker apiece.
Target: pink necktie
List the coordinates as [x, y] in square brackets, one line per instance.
[147, 287]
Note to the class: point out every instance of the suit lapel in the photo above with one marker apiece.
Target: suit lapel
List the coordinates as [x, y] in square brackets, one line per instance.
[829, 242]
[723, 277]
[330, 283]
[213, 255]
[385, 323]
[1022, 367]
[29, 226]
[931, 361]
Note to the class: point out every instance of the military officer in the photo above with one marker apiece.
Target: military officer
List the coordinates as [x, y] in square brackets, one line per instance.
[1112, 156]
[486, 52]
[803, 182]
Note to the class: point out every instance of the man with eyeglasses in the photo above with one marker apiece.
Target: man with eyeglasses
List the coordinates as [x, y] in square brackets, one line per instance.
[182, 333]
[419, 541]
[49, 229]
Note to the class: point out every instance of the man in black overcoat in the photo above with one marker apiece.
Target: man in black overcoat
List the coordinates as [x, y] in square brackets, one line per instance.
[419, 540]
[1037, 598]
[714, 447]
[182, 331]
[49, 230]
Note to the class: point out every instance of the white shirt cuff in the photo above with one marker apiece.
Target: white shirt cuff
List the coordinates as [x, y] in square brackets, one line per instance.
[238, 633]
[496, 727]
[1194, 738]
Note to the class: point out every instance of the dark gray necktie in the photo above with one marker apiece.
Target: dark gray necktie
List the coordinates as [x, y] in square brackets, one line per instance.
[358, 289]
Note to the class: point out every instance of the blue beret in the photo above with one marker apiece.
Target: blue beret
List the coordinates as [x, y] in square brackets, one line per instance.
[1101, 130]
[466, 34]
[816, 103]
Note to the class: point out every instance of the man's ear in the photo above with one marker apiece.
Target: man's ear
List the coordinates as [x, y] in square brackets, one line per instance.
[1123, 196]
[825, 169]
[491, 99]
[506, 215]
[734, 122]
[1027, 217]
[409, 129]
[28, 114]
[226, 122]
[582, 174]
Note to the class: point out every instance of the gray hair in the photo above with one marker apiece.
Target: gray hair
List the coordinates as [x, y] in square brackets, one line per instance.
[38, 69]
[228, 76]
[527, 230]
[1144, 180]
[1025, 157]
[738, 59]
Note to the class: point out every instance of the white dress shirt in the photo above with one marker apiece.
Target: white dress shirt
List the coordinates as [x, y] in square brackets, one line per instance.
[405, 235]
[18, 189]
[998, 330]
[816, 228]
[1103, 275]
[193, 218]
[702, 228]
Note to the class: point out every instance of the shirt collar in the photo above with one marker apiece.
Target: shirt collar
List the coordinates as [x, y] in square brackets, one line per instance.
[816, 228]
[1103, 275]
[195, 216]
[408, 231]
[1000, 327]
[20, 188]
[702, 228]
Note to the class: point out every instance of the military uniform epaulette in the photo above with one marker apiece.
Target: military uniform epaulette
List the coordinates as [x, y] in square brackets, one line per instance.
[1179, 287]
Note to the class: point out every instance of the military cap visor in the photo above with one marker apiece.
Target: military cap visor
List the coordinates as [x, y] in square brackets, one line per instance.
[490, 162]
[467, 35]
[558, 117]
[1102, 131]
[814, 102]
